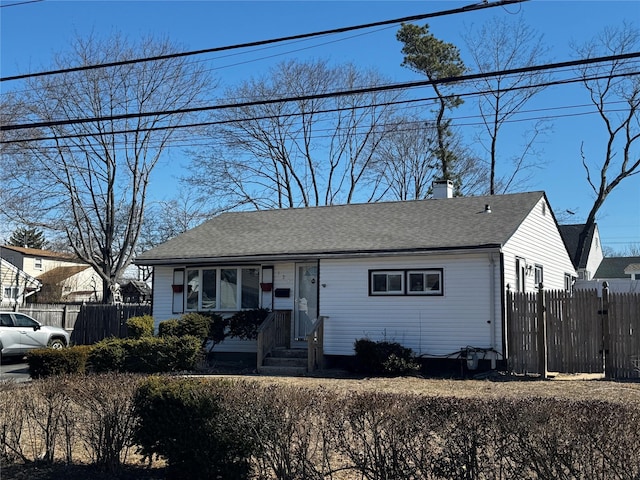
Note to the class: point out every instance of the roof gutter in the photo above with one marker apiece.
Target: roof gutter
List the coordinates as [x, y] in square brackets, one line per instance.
[490, 248]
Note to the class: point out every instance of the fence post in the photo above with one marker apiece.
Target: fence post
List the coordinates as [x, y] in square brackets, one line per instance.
[542, 333]
[604, 317]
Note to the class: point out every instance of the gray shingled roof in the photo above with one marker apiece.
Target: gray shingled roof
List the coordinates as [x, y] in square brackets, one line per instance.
[613, 267]
[356, 228]
[571, 235]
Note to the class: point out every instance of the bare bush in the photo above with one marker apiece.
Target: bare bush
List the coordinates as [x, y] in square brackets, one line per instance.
[12, 423]
[108, 421]
[288, 434]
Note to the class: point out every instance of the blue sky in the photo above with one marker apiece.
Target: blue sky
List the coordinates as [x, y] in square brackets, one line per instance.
[31, 34]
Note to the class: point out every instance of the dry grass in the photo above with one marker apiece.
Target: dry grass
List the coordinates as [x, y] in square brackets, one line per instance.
[566, 387]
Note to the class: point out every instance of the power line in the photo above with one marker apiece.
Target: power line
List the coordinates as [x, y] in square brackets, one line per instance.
[412, 18]
[20, 3]
[358, 91]
[456, 121]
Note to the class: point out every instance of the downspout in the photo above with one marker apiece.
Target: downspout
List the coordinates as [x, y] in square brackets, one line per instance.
[492, 309]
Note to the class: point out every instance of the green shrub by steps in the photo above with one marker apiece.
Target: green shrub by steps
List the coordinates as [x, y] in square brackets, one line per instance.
[45, 362]
[384, 358]
[139, 327]
[145, 355]
[244, 324]
[169, 328]
[205, 327]
[187, 422]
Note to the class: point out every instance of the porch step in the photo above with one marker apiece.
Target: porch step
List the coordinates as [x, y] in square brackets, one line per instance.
[285, 362]
[288, 353]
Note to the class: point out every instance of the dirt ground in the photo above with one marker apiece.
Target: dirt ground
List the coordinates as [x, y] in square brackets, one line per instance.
[570, 387]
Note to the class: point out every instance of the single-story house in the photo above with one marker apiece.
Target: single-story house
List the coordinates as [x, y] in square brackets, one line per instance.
[622, 275]
[429, 274]
[135, 291]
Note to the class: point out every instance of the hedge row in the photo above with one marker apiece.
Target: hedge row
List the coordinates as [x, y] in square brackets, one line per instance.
[143, 355]
[238, 429]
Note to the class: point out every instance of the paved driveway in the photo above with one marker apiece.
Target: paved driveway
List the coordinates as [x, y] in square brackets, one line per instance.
[14, 369]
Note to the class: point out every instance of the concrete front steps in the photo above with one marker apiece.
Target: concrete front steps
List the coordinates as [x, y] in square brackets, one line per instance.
[285, 362]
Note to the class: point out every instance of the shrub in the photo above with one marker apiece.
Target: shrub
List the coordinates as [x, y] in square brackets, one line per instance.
[139, 327]
[244, 324]
[389, 358]
[157, 355]
[107, 355]
[195, 324]
[186, 422]
[205, 327]
[146, 355]
[106, 420]
[169, 328]
[45, 362]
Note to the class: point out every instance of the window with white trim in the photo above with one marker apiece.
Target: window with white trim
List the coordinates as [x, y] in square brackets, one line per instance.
[10, 292]
[405, 282]
[568, 282]
[37, 263]
[538, 275]
[425, 282]
[223, 288]
[386, 282]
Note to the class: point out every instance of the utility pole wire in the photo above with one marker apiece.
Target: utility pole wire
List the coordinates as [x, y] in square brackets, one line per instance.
[468, 8]
[328, 110]
[395, 86]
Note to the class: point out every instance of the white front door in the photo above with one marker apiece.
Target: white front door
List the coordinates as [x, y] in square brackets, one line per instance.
[305, 310]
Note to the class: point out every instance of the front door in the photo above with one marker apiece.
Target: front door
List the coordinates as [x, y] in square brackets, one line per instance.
[305, 310]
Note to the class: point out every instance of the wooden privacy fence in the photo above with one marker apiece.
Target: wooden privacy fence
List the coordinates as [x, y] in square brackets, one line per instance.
[88, 323]
[54, 314]
[576, 332]
[96, 322]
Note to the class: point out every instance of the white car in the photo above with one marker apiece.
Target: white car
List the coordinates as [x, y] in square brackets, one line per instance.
[20, 333]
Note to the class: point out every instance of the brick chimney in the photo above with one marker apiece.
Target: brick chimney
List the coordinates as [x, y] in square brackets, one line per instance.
[442, 189]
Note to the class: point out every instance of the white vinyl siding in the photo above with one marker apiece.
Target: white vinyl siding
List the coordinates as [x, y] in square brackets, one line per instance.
[537, 242]
[429, 325]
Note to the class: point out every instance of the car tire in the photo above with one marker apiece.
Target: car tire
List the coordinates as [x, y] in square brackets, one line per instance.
[56, 344]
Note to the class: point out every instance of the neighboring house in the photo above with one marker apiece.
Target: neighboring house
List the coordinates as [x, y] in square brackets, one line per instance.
[621, 273]
[64, 278]
[591, 255]
[16, 284]
[431, 274]
[135, 291]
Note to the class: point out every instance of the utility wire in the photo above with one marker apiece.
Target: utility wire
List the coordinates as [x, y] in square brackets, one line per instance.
[395, 86]
[20, 3]
[468, 8]
[330, 110]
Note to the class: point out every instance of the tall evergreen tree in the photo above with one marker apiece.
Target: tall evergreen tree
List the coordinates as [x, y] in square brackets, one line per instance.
[424, 53]
[28, 237]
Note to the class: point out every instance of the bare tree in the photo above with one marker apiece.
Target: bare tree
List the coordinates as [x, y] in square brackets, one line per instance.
[615, 82]
[305, 152]
[407, 164]
[89, 180]
[497, 46]
[424, 53]
[170, 218]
